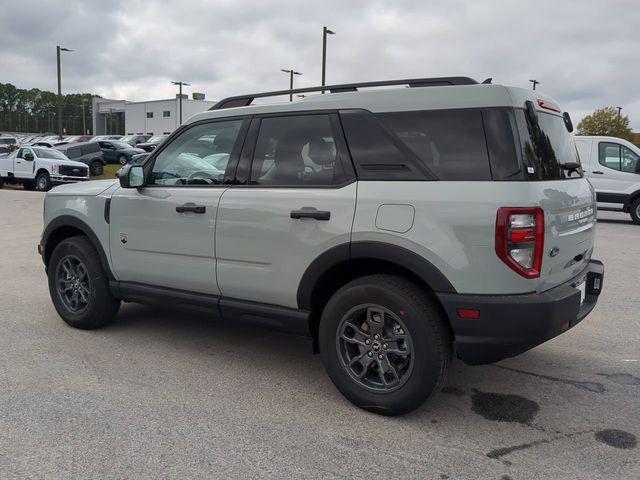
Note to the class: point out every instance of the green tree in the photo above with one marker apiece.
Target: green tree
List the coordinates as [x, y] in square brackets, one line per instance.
[605, 121]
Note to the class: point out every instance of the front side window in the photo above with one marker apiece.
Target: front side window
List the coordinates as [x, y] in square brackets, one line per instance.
[198, 156]
[294, 151]
[618, 157]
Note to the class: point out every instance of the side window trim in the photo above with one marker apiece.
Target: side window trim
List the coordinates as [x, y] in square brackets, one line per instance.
[233, 157]
[343, 159]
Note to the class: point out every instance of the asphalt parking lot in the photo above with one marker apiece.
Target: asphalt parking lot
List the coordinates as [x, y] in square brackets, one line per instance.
[163, 394]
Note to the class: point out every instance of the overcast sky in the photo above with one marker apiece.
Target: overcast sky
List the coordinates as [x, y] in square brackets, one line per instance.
[584, 53]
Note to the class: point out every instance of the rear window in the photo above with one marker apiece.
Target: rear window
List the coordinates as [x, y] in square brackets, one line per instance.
[450, 143]
[546, 146]
[90, 148]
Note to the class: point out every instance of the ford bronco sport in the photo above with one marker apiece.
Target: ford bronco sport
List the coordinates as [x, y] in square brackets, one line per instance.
[393, 226]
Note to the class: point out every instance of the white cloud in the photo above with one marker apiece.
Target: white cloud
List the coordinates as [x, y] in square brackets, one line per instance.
[584, 53]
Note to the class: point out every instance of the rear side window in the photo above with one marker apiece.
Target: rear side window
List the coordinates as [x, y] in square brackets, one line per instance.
[450, 143]
[74, 152]
[90, 148]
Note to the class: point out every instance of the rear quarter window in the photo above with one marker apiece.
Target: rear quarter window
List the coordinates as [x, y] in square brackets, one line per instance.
[450, 143]
[90, 148]
[74, 152]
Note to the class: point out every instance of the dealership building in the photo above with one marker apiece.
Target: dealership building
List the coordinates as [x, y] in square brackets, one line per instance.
[153, 117]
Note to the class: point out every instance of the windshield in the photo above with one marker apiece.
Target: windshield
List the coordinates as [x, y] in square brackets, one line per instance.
[546, 146]
[128, 138]
[49, 153]
[156, 139]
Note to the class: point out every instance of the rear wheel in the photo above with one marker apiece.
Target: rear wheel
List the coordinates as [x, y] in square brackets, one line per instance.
[122, 159]
[78, 285]
[43, 182]
[96, 168]
[384, 344]
[635, 211]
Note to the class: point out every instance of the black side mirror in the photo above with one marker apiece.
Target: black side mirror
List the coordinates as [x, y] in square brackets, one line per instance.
[567, 121]
[131, 176]
[28, 157]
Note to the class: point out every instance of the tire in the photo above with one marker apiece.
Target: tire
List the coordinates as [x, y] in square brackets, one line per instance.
[122, 159]
[634, 211]
[29, 185]
[1, 182]
[96, 169]
[92, 285]
[406, 309]
[43, 182]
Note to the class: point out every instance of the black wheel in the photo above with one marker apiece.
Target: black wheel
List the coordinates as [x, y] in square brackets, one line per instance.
[29, 185]
[635, 211]
[96, 169]
[122, 159]
[43, 182]
[384, 344]
[78, 285]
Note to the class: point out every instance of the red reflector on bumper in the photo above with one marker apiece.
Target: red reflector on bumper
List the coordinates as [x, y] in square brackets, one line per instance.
[469, 313]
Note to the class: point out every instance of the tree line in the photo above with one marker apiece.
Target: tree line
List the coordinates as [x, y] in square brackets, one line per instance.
[36, 111]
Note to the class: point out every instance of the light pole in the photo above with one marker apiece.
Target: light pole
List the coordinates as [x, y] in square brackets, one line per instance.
[619, 110]
[180, 84]
[535, 82]
[84, 122]
[58, 50]
[325, 32]
[291, 73]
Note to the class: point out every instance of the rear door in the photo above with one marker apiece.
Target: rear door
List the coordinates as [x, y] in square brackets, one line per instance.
[295, 199]
[565, 196]
[163, 234]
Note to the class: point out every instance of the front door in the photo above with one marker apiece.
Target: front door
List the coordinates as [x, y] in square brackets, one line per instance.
[163, 234]
[24, 168]
[295, 199]
[616, 174]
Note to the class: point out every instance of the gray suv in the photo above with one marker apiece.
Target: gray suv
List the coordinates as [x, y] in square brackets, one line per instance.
[88, 153]
[395, 227]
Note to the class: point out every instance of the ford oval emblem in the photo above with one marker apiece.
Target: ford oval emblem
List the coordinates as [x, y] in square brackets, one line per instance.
[554, 252]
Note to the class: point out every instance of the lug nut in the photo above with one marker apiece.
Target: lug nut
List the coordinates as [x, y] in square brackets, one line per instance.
[376, 336]
[370, 353]
[385, 346]
[367, 341]
[380, 356]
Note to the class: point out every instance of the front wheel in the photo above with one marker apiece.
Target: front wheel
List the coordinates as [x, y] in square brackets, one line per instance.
[43, 182]
[79, 286]
[122, 159]
[384, 343]
[635, 211]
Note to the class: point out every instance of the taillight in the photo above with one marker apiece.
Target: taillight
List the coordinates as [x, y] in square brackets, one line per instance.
[520, 239]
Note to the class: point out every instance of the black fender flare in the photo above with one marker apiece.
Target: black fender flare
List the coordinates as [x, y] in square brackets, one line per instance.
[64, 221]
[387, 252]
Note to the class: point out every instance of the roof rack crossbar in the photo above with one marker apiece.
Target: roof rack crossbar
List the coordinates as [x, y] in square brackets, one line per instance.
[244, 100]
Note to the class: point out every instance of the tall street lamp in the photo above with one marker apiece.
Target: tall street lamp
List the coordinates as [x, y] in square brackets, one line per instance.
[325, 32]
[58, 50]
[180, 84]
[535, 82]
[291, 73]
[619, 110]
[84, 121]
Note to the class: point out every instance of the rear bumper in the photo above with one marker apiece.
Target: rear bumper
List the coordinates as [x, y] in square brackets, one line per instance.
[512, 324]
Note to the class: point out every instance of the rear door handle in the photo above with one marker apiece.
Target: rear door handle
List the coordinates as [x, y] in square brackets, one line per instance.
[598, 172]
[191, 207]
[310, 212]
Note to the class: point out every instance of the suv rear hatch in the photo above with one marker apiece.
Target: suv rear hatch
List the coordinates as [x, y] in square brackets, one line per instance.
[566, 197]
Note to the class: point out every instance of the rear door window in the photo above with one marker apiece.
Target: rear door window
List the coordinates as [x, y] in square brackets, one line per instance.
[450, 143]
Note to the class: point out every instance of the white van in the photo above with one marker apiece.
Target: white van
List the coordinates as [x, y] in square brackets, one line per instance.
[612, 165]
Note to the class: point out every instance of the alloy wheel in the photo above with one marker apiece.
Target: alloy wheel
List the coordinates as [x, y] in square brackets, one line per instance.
[375, 348]
[74, 284]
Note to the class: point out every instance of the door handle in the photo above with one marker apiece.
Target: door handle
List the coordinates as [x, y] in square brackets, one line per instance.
[598, 172]
[191, 207]
[310, 212]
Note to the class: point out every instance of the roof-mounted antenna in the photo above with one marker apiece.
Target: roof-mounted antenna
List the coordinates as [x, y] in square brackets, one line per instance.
[487, 81]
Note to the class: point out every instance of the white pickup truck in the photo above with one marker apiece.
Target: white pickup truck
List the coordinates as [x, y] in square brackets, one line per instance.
[40, 168]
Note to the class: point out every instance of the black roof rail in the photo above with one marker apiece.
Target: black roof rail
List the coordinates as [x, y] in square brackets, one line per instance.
[244, 100]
